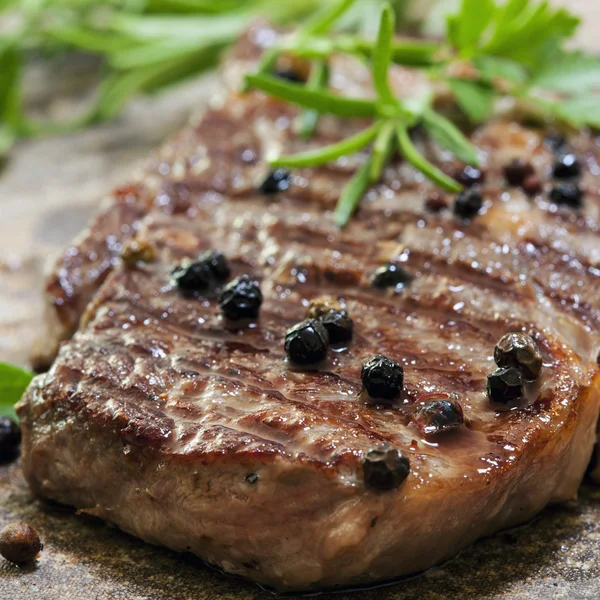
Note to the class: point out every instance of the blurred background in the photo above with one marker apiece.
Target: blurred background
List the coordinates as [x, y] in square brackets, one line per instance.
[88, 88]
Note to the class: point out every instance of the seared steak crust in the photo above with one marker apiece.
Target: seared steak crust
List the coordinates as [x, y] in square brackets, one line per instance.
[156, 412]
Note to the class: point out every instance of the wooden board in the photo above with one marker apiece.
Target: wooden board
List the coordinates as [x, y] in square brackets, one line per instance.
[47, 192]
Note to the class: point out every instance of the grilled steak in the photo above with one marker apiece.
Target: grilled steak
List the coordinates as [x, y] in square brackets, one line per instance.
[197, 433]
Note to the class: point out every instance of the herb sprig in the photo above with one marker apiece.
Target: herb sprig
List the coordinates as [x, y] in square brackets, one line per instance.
[13, 382]
[510, 50]
[142, 45]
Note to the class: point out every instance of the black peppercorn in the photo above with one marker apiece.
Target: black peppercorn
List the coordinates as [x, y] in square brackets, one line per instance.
[505, 385]
[520, 351]
[566, 166]
[276, 181]
[439, 416]
[339, 326]
[470, 176]
[567, 194]
[19, 543]
[241, 299]
[390, 275]
[192, 277]
[385, 468]
[516, 171]
[306, 343]
[251, 478]
[10, 438]
[468, 203]
[383, 378]
[217, 263]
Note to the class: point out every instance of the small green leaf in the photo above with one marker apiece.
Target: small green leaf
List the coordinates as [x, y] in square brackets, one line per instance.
[13, 383]
[529, 33]
[8, 136]
[473, 19]
[322, 21]
[417, 160]
[447, 135]
[101, 42]
[322, 102]
[512, 9]
[417, 105]
[581, 110]
[317, 80]
[569, 72]
[381, 149]
[182, 28]
[492, 68]
[452, 30]
[352, 194]
[150, 54]
[10, 93]
[415, 53]
[475, 99]
[382, 55]
[322, 156]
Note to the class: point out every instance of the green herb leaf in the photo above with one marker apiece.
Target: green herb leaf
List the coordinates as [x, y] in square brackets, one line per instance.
[580, 111]
[89, 39]
[415, 158]
[415, 53]
[13, 383]
[8, 136]
[322, 21]
[382, 55]
[527, 33]
[447, 135]
[322, 156]
[492, 68]
[10, 94]
[475, 99]
[382, 149]
[352, 194]
[473, 19]
[317, 80]
[322, 102]
[569, 72]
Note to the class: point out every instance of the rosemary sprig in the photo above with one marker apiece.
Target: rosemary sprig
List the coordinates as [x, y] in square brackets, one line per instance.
[508, 49]
[317, 80]
[143, 46]
[393, 118]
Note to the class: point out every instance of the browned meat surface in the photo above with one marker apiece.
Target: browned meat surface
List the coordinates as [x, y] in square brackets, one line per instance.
[158, 417]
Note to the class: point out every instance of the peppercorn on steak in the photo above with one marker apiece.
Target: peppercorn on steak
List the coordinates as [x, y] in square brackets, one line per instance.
[312, 407]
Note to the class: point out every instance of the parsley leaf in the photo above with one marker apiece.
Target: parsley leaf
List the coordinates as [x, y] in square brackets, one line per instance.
[474, 98]
[579, 110]
[469, 24]
[569, 72]
[13, 383]
[494, 68]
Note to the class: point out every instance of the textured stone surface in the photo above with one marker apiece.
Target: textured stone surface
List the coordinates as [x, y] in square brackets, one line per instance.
[47, 192]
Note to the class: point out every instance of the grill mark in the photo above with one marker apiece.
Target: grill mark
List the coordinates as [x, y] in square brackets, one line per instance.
[109, 385]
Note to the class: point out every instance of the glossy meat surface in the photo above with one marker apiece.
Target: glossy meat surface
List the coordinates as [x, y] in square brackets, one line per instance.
[157, 415]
